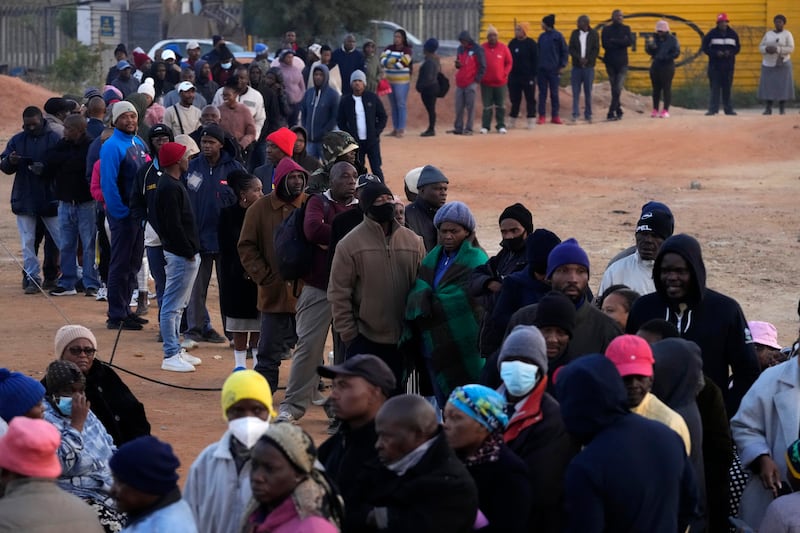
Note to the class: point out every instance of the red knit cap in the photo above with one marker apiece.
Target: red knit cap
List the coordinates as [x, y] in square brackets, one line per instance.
[170, 154]
[283, 138]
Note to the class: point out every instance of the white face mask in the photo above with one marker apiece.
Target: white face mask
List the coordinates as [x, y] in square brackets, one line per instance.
[226, 66]
[248, 429]
[519, 377]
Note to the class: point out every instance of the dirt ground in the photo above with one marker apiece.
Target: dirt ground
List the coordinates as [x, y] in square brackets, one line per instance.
[584, 181]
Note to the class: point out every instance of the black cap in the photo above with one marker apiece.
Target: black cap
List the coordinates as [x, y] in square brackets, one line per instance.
[367, 366]
[213, 130]
[363, 179]
[121, 48]
[161, 130]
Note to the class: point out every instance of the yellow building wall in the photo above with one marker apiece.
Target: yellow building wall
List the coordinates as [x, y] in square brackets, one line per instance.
[688, 19]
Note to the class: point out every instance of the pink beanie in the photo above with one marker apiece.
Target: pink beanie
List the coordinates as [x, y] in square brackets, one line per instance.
[29, 448]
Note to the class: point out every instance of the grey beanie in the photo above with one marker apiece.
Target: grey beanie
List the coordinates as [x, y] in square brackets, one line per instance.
[429, 175]
[526, 342]
[456, 212]
[358, 75]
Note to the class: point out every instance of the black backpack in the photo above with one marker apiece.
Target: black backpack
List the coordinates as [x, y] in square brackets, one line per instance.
[444, 85]
[293, 250]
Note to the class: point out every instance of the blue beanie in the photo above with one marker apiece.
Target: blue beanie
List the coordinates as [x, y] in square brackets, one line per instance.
[431, 45]
[18, 394]
[147, 465]
[456, 212]
[568, 252]
[430, 175]
[484, 405]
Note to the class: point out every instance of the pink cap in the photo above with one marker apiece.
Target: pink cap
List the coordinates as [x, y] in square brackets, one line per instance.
[662, 25]
[631, 355]
[29, 448]
[722, 17]
[764, 333]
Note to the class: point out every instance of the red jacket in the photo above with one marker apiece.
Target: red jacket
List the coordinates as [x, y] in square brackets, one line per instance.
[473, 65]
[498, 64]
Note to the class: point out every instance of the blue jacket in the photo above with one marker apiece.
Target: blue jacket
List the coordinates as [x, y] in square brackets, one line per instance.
[120, 158]
[553, 51]
[31, 194]
[209, 194]
[633, 473]
[320, 108]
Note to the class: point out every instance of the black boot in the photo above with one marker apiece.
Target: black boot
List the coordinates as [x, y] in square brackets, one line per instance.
[142, 304]
[768, 109]
[782, 107]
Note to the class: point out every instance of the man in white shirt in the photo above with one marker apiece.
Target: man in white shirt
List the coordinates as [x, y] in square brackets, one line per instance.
[584, 47]
[636, 271]
[183, 117]
[363, 116]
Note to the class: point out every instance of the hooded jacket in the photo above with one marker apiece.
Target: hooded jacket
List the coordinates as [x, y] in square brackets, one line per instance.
[121, 156]
[320, 107]
[31, 194]
[472, 59]
[633, 473]
[209, 193]
[712, 320]
[257, 243]
[205, 86]
[678, 378]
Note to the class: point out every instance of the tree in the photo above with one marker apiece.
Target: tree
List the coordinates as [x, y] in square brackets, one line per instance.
[311, 18]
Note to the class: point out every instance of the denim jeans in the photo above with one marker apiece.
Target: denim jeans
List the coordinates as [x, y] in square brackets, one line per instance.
[26, 225]
[548, 80]
[77, 221]
[180, 273]
[158, 265]
[398, 98]
[197, 317]
[582, 77]
[127, 251]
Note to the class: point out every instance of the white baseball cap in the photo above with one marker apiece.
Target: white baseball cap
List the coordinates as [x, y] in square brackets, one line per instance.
[185, 86]
[191, 45]
[167, 54]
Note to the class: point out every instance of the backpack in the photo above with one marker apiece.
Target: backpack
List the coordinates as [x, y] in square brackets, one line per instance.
[444, 85]
[293, 250]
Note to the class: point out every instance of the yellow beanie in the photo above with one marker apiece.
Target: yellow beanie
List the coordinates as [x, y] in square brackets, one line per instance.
[246, 385]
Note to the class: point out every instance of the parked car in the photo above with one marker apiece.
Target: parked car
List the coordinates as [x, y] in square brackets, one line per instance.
[382, 32]
[239, 53]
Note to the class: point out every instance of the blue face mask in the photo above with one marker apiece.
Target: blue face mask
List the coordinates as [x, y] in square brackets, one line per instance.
[519, 377]
[65, 405]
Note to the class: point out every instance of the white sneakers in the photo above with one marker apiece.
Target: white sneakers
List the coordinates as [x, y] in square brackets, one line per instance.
[181, 362]
[502, 131]
[102, 294]
[484, 131]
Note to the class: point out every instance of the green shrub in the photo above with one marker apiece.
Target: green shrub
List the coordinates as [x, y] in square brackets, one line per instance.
[77, 67]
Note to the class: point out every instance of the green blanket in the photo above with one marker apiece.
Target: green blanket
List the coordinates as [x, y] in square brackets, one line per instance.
[446, 321]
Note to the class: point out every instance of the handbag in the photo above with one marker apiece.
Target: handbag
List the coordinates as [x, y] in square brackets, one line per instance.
[383, 87]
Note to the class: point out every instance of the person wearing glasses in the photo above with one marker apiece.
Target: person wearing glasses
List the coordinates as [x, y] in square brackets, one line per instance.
[110, 399]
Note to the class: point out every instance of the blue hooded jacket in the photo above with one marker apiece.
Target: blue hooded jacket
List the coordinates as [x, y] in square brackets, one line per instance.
[320, 108]
[553, 51]
[209, 193]
[633, 474]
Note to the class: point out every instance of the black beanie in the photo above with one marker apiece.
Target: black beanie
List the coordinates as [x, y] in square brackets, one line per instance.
[538, 246]
[519, 213]
[557, 310]
[549, 21]
[659, 222]
[146, 464]
[370, 192]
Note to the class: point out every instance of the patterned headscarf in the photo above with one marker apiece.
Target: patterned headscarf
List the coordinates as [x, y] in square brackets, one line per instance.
[61, 375]
[484, 405]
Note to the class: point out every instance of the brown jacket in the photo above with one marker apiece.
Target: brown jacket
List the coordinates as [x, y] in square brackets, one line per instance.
[38, 505]
[257, 252]
[370, 280]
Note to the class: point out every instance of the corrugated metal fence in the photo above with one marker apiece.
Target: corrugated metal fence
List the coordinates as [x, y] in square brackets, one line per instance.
[444, 19]
[30, 37]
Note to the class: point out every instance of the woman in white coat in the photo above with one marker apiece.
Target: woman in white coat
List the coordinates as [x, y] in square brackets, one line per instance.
[767, 422]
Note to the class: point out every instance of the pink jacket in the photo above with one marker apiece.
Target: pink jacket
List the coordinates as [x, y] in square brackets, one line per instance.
[94, 186]
[284, 519]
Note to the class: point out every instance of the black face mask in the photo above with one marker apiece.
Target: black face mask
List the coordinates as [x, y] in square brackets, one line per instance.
[381, 213]
[515, 244]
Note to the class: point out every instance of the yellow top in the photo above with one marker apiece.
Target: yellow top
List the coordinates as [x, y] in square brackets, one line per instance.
[654, 409]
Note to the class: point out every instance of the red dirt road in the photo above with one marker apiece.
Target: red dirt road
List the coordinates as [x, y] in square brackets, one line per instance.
[583, 181]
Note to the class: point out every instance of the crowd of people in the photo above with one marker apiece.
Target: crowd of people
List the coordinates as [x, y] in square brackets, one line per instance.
[467, 392]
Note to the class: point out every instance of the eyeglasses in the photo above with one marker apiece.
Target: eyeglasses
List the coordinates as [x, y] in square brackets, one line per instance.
[77, 351]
